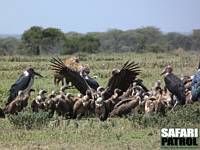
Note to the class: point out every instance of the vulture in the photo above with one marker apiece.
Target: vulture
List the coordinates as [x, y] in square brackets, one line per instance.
[18, 103]
[80, 80]
[174, 85]
[24, 83]
[90, 81]
[120, 79]
[124, 107]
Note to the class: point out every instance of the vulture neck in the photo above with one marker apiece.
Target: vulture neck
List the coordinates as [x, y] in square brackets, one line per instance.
[167, 73]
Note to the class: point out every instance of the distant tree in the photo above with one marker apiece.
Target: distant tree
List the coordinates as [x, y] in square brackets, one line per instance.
[83, 43]
[147, 36]
[8, 45]
[37, 40]
[111, 40]
[130, 40]
[196, 39]
[31, 40]
[88, 44]
[176, 40]
[70, 46]
[52, 40]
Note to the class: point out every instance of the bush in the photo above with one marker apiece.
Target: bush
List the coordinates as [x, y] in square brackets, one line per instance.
[182, 116]
[29, 120]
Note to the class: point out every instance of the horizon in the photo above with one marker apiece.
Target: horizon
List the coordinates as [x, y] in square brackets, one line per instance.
[19, 35]
[99, 16]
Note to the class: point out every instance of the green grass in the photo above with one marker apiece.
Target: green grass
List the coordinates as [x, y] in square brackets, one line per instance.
[85, 134]
[116, 133]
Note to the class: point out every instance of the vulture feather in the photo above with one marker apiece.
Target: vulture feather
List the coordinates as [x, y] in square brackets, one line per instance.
[122, 79]
[73, 76]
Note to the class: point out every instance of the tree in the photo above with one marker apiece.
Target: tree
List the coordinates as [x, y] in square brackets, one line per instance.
[31, 40]
[8, 45]
[88, 44]
[176, 40]
[52, 40]
[37, 40]
[83, 43]
[196, 39]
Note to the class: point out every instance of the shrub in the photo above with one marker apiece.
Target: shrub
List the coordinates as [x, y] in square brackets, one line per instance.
[182, 116]
[29, 120]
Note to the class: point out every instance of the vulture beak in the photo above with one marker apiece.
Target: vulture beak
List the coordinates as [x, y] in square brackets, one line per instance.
[37, 74]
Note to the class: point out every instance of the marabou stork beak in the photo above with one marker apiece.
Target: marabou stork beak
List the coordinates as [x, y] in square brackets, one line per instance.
[37, 74]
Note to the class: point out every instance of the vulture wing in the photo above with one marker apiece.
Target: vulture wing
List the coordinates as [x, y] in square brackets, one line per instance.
[123, 102]
[73, 76]
[92, 82]
[175, 86]
[122, 79]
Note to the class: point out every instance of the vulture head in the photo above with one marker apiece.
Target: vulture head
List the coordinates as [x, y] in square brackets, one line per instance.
[167, 70]
[42, 92]
[117, 93]
[52, 94]
[100, 89]
[100, 109]
[20, 93]
[89, 93]
[158, 83]
[41, 95]
[115, 71]
[69, 96]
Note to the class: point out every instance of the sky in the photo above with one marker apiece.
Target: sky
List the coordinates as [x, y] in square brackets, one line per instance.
[99, 15]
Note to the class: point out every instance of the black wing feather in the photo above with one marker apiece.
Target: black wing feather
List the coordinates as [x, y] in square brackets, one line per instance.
[123, 79]
[20, 84]
[73, 76]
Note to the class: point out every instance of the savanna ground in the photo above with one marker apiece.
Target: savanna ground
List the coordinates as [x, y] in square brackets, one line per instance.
[133, 132]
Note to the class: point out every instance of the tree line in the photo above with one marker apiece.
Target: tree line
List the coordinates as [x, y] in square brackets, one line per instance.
[43, 41]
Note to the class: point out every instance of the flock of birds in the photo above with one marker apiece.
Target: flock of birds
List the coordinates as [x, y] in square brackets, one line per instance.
[124, 93]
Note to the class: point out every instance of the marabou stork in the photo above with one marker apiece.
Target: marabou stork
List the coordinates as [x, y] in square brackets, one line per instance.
[174, 85]
[24, 83]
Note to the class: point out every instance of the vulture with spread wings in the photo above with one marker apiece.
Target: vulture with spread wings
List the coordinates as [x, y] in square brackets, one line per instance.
[120, 79]
[71, 75]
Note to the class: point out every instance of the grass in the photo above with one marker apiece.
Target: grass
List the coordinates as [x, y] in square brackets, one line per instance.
[117, 133]
[82, 136]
